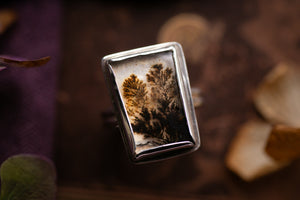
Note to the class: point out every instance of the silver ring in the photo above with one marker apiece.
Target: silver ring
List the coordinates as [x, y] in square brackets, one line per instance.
[152, 97]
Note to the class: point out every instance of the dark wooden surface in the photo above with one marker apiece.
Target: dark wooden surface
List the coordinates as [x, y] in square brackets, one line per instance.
[90, 151]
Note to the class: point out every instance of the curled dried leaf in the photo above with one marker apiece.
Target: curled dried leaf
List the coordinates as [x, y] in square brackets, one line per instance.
[284, 143]
[17, 62]
[7, 18]
[278, 96]
[247, 157]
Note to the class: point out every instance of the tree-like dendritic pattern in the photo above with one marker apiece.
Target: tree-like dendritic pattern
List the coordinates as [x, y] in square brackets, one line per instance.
[157, 113]
[134, 91]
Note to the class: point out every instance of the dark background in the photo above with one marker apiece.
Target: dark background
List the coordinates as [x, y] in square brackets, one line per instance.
[88, 150]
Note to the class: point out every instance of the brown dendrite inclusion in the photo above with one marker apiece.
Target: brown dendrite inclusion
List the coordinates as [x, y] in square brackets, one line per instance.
[154, 106]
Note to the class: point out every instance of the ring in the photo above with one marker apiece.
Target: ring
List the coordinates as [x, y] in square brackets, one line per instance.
[151, 93]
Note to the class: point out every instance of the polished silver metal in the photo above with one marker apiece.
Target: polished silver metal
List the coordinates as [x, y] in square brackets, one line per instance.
[151, 85]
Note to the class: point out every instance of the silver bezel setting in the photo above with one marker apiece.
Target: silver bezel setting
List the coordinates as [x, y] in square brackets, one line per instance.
[166, 150]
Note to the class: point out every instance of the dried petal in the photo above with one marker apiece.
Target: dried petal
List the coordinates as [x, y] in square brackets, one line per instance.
[278, 96]
[284, 143]
[247, 156]
[13, 62]
[193, 32]
[7, 17]
[197, 98]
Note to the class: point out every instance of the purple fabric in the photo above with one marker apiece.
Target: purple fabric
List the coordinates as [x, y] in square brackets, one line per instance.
[27, 96]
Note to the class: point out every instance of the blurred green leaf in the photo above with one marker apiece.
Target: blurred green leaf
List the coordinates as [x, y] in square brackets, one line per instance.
[27, 177]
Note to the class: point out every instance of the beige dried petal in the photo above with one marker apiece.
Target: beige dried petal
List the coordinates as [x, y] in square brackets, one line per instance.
[247, 157]
[193, 32]
[278, 96]
[284, 143]
[197, 98]
[7, 17]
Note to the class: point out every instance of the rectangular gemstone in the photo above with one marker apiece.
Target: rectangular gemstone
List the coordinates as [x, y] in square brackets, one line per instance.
[151, 93]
